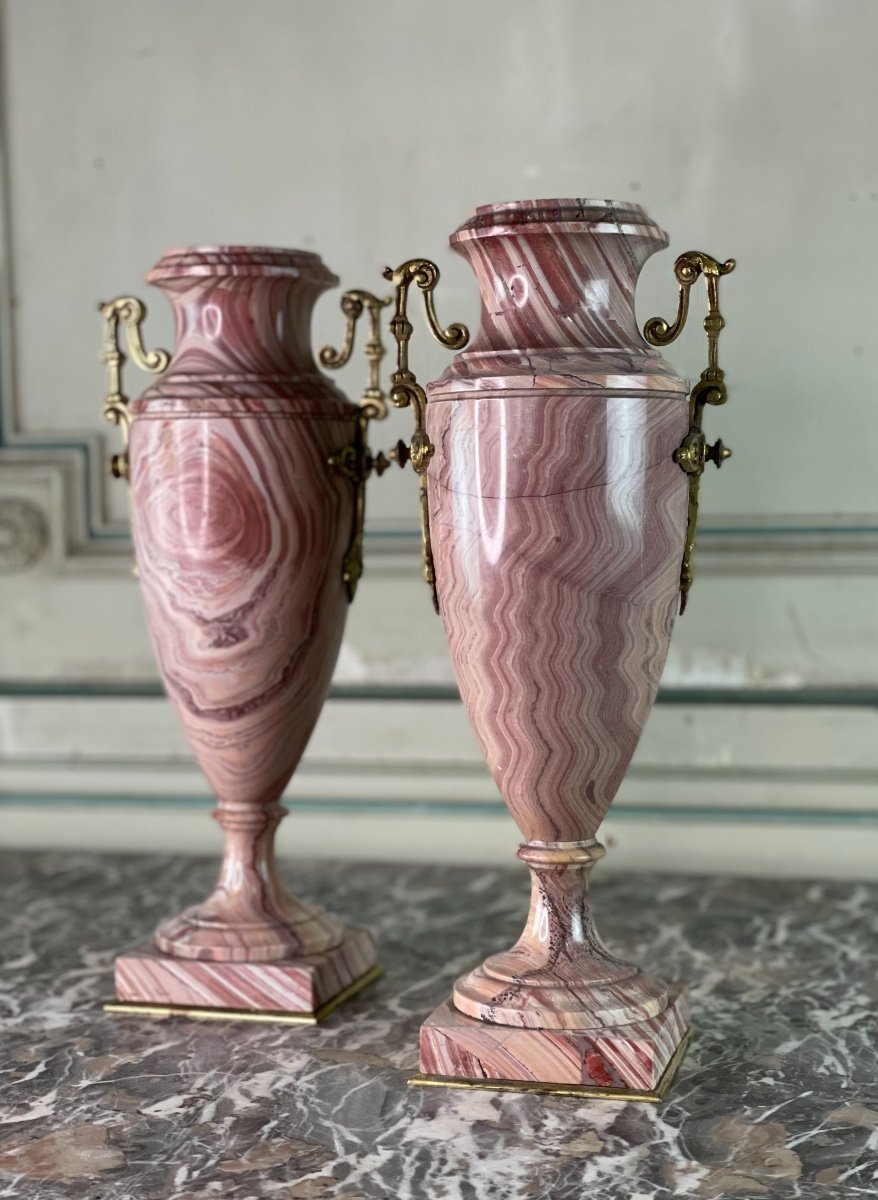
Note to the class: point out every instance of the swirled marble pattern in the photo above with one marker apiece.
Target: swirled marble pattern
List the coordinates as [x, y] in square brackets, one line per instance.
[240, 527]
[559, 974]
[777, 1098]
[558, 275]
[557, 527]
[632, 1056]
[557, 517]
[299, 985]
[242, 312]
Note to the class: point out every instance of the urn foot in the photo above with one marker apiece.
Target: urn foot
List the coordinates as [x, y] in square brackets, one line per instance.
[297, 990]
[559, 974]
[635, 1061]
[224, 930]
[249, 916]
[548, 999]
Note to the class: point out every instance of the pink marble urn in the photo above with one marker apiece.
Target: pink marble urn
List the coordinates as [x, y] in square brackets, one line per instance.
[240, 527]
[557, 516]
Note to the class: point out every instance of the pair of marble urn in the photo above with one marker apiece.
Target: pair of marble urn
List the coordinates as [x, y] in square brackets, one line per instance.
[559, 458]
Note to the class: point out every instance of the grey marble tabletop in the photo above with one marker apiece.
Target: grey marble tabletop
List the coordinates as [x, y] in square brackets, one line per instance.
[778, 1095]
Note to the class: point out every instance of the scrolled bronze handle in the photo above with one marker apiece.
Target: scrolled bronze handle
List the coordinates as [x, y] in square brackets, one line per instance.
[406, 392]
[130, 312]
[694, 453]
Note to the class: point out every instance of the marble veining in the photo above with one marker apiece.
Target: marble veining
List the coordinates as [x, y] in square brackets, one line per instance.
[632, 1056]
[557, 519]
[240, 527]
[298, 984]
[777, 1098]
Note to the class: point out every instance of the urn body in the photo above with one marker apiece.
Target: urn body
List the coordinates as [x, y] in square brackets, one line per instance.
[557, 517]
[240, 527]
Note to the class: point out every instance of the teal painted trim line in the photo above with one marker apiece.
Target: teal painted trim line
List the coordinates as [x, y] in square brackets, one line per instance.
[707, 529]
[480, 808]
[148, 689]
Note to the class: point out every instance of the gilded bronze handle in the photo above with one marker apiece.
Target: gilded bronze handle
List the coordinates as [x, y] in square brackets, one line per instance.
[131, 312]
[406, 392]
[694, 453]
[355, 461]
[353, 304]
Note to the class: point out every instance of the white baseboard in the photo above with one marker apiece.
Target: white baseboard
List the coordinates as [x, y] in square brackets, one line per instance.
[805, 849]
[712, 789]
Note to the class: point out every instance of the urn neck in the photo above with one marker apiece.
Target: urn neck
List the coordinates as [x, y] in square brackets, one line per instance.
[242, 310]
[558, 274]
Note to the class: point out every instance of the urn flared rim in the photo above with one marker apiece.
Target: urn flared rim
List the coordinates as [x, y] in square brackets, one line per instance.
[220, 259]
[575, 214]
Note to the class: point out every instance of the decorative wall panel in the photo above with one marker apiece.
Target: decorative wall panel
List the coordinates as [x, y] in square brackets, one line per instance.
[177, 124]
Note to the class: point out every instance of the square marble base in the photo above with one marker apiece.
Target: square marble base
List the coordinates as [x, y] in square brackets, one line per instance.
[296, 990]
[462, 1051]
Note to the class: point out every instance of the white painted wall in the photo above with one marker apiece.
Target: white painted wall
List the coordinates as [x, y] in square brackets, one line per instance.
[368, 131]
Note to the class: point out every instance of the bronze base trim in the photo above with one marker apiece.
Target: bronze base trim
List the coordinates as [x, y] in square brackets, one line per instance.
[138, 1009]
[583, 1091]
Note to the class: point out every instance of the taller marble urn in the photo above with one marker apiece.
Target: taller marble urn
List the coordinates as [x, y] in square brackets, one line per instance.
[240, 527]
[557, 516]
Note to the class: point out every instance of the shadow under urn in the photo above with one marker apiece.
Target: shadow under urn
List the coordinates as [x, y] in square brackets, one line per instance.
[240, 527]
[557, 518]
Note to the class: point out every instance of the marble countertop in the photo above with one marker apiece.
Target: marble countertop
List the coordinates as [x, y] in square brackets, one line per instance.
[777, 1097]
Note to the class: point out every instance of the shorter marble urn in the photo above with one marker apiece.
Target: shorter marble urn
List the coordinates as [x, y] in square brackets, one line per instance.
[240, 529]
[558, 517]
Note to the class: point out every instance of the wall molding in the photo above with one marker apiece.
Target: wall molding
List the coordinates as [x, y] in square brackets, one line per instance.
[697, 762]
[71, 463]
[744, 817]
[805, 848]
